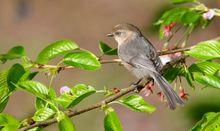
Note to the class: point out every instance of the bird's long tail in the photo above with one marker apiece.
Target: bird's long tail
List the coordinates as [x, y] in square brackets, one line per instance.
[171, 95]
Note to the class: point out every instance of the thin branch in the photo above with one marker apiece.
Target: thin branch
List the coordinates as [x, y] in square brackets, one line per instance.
[98, 105]
[43, 66]
[174, 51]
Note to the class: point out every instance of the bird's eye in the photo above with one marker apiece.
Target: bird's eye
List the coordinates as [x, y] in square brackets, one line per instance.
[118, 33]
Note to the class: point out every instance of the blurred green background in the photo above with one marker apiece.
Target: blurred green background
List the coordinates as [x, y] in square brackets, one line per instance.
[36, 23]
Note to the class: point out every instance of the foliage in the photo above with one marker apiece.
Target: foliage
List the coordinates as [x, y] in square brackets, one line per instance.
[209, 122]
[111, 120]
[206, 68]
[49, 106]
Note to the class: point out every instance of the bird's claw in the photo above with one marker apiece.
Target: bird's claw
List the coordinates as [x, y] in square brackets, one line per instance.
[137, 88]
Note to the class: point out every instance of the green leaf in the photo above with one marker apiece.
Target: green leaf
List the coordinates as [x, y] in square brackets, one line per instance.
[66, 124]
[217, 74]
[206, 67]
[189, 78]
[28, 75]
[8, 122]
[137, 103]
[206, 50]
[171, 73]
[83, 60]
[106, 49]
[209, 122]
[182, 1]
[111, 121]
[56, 49]
[9, 128]
[39, 103]
[172, 15]
[208, 80]
[14, 53]
[7, 80]
[52, 93]
[36, 129]
[77, 94]
[4, 90]
[3, 103]
[35, 88]
[191, 17]
[43, 114]
[14, 75]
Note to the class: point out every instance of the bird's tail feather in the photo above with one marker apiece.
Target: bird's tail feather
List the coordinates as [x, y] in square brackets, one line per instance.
[171, 95]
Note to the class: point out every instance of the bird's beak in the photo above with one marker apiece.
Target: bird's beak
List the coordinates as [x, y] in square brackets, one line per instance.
[109, 35]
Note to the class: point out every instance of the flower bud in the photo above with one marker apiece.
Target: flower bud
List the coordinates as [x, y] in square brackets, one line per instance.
[64, 89]
[209, 15]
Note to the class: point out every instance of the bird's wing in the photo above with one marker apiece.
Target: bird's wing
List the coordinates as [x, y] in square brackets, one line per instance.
[141, 61]
[151, 54]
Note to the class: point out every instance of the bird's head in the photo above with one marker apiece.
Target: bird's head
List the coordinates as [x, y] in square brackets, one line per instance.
[123, 32]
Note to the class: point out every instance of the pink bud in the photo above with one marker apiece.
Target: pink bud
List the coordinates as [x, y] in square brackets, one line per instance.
[64, 89]
[209, 15]
[167, 33]
[167, 29]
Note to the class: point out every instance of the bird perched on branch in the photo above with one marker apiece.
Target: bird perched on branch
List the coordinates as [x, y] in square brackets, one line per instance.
[139, 56]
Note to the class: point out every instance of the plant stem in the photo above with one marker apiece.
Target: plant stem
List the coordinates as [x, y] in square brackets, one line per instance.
[98, 105]
[44, 66]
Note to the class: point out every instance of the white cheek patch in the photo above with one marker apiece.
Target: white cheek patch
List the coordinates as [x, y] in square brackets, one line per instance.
[119, 40]
[124, 37]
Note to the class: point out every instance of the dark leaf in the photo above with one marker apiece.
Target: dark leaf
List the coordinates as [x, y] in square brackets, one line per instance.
[107, 50]
[14, 75]
[171, 73]
[189, 78]
[14, 53]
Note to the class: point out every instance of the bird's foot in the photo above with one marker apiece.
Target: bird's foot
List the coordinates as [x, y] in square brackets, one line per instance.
[136, 83]
[138, 88]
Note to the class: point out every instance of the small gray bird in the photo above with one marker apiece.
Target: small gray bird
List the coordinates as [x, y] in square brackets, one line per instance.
[139, 56]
